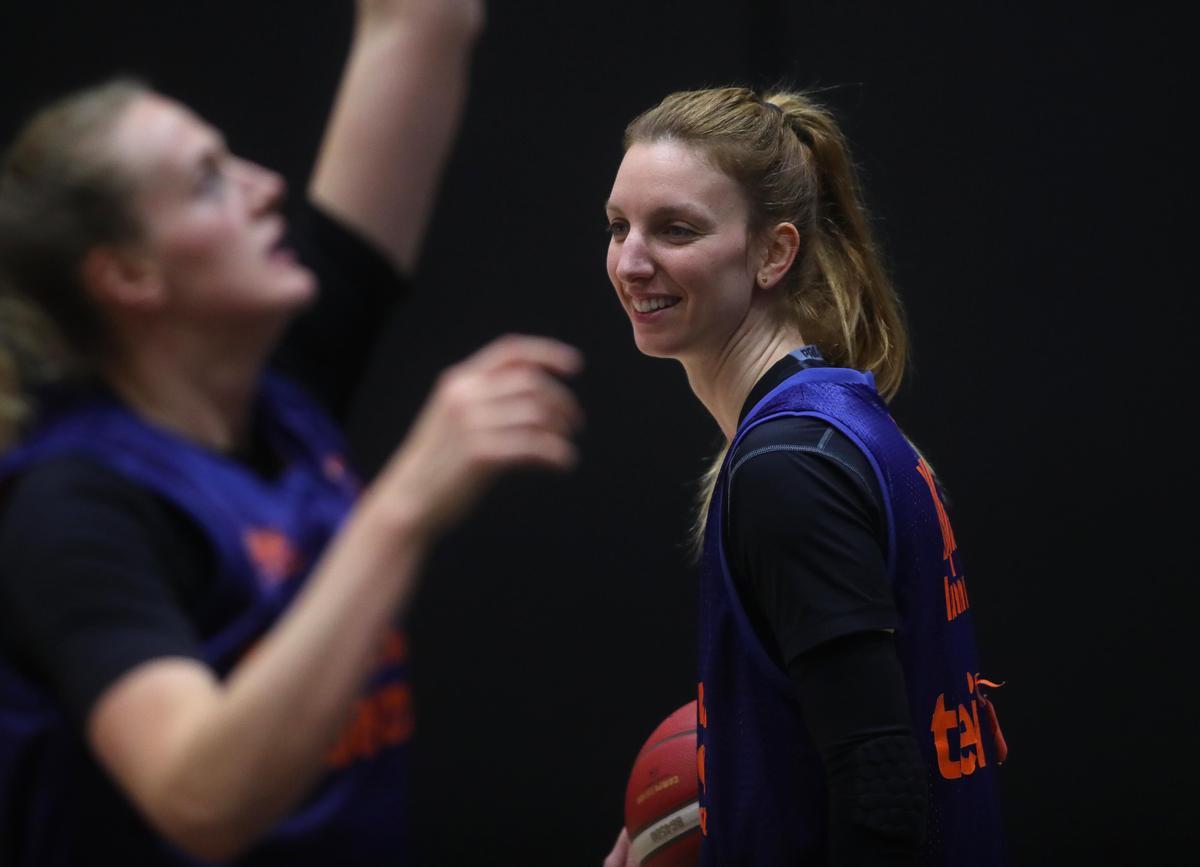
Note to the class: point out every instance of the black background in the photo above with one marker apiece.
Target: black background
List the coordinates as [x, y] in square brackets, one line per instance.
[1027, 168]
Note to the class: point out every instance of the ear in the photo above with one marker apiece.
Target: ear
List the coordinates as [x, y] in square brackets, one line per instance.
[121, 277]
[780, 243]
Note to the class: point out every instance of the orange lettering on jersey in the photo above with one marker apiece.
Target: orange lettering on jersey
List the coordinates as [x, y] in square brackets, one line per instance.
[968, 736]
[949, 546]
[394, 649]
[334, 467]
[381, 720]
[954, 586]
[700, 766]
[991, 721]
[955, 592]
[704, 821]
[274, 556]
[972, 735]
[701, 713]
[965, 757]
[943, 721]
[395, 714]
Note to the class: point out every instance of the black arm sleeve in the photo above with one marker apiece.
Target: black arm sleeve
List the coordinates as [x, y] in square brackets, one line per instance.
[807, 545]
[804, 537]
[857, 713]
[329, 345]
[95, 576]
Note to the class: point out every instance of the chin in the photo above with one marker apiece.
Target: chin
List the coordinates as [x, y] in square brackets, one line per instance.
[654, 347]
[299, 287]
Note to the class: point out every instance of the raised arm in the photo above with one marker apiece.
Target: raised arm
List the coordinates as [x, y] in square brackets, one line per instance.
[394, 118]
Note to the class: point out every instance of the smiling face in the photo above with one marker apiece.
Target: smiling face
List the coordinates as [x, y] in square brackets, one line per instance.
[680, 252]
[211, 231]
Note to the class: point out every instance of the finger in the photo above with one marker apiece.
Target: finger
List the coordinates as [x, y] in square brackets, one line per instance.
[481, 396]
[620, 851]
[531, 447]
[527, 386]
[524, 414]
[519, 349]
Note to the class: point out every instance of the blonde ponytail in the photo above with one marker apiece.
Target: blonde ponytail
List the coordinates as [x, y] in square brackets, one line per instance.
[843, 297]
[30, 354]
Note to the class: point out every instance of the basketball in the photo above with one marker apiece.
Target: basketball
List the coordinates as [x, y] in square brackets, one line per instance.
[662, 813]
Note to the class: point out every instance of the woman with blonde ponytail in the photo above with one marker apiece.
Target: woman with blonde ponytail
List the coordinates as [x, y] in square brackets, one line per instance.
[841, 719]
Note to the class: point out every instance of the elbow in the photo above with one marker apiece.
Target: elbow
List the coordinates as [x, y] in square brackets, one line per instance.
[879, 800]
[203, 829]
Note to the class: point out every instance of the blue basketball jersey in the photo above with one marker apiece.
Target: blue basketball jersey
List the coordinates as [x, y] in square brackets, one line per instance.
[265, 534]
[763, 789]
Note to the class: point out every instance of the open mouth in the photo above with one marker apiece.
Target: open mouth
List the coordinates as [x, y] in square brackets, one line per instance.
[280, 249]
[658, 302]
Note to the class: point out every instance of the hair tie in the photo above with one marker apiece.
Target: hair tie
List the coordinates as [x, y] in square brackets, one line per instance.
[758, 99]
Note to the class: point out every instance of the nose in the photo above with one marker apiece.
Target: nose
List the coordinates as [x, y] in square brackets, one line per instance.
[263, 188]
[634, 262]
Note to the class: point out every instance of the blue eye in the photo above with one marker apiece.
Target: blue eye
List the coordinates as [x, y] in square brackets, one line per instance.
[617, 228]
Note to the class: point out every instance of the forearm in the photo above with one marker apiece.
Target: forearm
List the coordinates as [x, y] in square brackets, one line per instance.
[857, 714]
[235, 756]
[394, 120]
[213, 765]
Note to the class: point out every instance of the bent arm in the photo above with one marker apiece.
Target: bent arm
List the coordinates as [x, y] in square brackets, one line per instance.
[213, 764]
[395, 117]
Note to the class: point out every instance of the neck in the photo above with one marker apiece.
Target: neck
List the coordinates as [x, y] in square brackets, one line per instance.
[722, 380]
[200, 391]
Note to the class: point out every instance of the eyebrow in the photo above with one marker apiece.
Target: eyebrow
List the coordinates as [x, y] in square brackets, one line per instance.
[668, 211]
[212, 147]
[206, 156]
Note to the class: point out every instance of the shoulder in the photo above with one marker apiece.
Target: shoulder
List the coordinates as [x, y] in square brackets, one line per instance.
[800, 457]
[96, 577]
[806, 535]
[66, 482]
[66, 500]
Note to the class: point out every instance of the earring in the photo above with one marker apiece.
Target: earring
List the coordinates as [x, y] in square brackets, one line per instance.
[762, 278]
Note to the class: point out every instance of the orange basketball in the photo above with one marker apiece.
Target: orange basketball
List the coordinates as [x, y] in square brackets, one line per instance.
[662, 813]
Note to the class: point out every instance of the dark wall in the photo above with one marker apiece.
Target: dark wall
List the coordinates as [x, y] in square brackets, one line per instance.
[1026, 168]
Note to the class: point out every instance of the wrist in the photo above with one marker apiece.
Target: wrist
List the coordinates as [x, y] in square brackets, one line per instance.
[389, 512]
